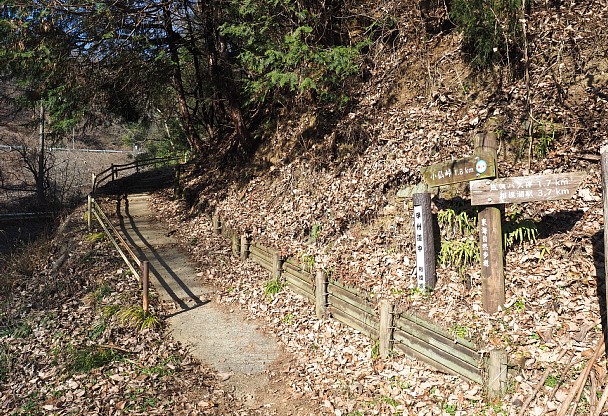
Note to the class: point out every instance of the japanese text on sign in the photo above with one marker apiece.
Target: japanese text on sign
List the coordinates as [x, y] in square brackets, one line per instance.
[525, 188]
[485, 248]
[419, 234]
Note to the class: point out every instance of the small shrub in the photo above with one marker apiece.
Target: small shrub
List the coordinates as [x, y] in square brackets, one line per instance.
[273, 286]
[517, 230]
[135, 317]
[5, 362]
[492, 32]
[94, 237]
[85, 359]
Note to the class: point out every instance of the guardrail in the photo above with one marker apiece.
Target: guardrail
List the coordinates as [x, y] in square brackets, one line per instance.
[112, 172]
[141, 272]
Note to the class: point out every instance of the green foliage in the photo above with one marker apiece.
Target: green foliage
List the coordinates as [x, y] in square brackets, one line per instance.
[273, 286]
[450, 409]
[16, 330]
[94, 237]
[517, 230]
[459, 253]
[460, 331]
[85, 359]
[165, 368]
[280, 50]
[376, 349]
[5, 362]
[491, 30]
[463, 222]
[552, 381]
[135, 317]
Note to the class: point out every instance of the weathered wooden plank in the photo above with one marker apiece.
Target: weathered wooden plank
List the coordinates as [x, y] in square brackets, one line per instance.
[262, 261]
[438, 341]
[518, 189]
[301, 292]
[385, 327]
[297, 272]
[294, 281]
[348, 320]
[255, 251]
[431, 326]
[355, 313]
[350, 298]
[436, 358]
[483, 165]
[320, 293]
[262, 249]
[304, 280]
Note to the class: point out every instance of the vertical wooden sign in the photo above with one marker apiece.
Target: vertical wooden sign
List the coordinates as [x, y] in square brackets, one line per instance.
[425, 247]
[490, 242]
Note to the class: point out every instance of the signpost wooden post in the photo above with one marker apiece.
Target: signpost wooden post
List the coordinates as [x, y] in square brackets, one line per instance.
[490, 194]
[425, 246]
[489, 219]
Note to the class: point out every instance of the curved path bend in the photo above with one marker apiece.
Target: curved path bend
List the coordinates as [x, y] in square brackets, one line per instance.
[242, 355]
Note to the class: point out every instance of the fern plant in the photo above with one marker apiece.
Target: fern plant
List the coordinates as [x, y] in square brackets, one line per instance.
[517, 230]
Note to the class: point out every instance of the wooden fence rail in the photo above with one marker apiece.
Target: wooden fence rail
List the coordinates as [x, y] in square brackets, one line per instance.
[408, 333]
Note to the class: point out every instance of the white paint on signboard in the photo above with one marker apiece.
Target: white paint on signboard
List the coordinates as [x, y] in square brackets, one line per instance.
[419, 235]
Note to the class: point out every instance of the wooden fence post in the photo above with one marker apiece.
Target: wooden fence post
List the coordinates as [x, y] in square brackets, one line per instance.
[425, 247]
[217, 225]
[113, 171]
[236, 245]
[277, 266]
[490, 237]
[320, 293]
[386, 327]
[497, 373]
[93, 185]
[145, 282]
[244, 247]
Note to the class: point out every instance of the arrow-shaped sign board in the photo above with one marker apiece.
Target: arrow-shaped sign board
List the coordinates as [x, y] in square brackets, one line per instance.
[525, 188]
[460, 170]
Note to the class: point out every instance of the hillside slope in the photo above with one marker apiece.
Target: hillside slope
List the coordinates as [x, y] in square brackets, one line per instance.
[326, 183]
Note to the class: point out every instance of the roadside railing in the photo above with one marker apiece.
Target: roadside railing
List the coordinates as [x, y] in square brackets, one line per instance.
[139, 268]
[112, 172]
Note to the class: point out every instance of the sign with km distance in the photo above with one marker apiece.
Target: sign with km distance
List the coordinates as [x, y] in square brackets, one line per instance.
[460, 170]
[519, 189]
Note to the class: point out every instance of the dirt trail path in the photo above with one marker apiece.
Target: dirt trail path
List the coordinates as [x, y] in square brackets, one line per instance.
[245, 358]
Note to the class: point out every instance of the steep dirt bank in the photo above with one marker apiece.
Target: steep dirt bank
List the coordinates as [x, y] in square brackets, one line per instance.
[327, 184]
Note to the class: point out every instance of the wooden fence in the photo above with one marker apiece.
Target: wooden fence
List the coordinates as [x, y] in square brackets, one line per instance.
[408, 333]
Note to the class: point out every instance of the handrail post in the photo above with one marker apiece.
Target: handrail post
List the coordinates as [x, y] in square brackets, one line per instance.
[93, 180]
[113, 171]
[145, 282]
[89, 211]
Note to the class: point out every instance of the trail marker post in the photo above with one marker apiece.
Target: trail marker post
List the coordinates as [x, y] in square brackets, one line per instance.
[425, 246]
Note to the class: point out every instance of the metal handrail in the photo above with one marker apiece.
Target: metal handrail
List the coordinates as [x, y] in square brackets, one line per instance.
[125, 251]
[113, 170]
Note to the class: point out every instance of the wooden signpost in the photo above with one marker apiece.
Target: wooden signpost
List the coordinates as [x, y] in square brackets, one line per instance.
[490, 194]
[520, 189]
[425, 247]
[482, 165]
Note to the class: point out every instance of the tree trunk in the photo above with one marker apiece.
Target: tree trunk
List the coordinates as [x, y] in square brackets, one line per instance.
[185, 115]
[41, 162]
